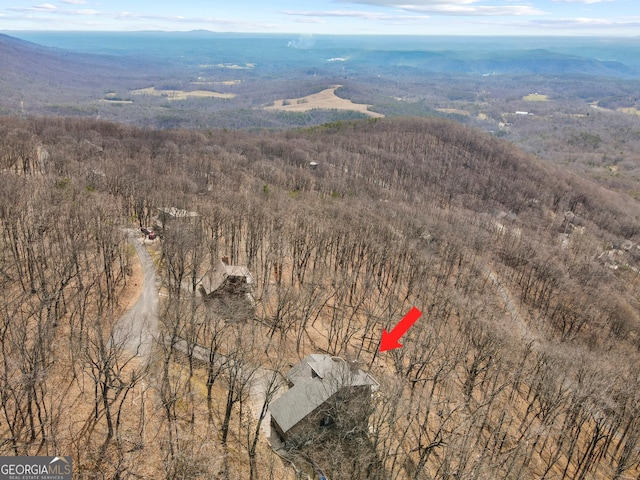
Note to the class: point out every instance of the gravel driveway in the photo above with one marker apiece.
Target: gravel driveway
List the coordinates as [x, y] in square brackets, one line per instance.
[137, 329]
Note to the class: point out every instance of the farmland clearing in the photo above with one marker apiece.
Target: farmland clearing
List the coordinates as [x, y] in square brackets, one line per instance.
[222, 82]
[181, 94]
[629, 110]
[326, 99]
[454, 111]
[115, 102]
[536, 97]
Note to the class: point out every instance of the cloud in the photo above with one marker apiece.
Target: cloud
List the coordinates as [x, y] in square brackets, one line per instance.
[199, 22]
[453, 7]
[576, 25]
[586, 2]
[47, 12]
[309, 20]
[476, 10]
[404, 3]
[50, 9]
[44, 7]
[168, 18]
[587, 22]
[356, 14]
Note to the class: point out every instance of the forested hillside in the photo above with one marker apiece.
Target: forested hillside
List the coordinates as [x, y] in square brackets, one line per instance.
[525, 363]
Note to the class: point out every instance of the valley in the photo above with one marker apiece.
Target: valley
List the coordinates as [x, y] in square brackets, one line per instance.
[481, 84]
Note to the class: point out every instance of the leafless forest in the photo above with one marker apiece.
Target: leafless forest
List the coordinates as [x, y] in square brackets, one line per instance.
[524, 365]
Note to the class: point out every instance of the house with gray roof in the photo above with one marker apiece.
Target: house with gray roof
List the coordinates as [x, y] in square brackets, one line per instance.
[325, 392]
[225, 279]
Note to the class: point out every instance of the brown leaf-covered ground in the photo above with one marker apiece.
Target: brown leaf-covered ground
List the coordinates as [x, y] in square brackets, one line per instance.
[524, 364]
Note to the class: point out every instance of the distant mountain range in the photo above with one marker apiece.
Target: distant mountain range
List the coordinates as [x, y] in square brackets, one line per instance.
[82, 73]
[21, 60]
[117, 50]
[537, 61]
[39, 74]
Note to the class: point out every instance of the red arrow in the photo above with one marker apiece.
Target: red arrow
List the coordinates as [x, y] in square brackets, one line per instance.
[390, 339]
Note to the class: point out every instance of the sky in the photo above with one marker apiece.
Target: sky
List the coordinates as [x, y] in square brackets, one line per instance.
[391, 17]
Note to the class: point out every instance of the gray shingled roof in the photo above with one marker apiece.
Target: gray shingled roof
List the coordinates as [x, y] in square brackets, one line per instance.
[315, 379]
[216, 277]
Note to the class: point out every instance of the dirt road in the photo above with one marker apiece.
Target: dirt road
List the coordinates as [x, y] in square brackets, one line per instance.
[137, 329]
[511, 305]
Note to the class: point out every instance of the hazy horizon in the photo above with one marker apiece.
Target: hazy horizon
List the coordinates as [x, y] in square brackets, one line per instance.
[7, 31]
[146, 41]
[361, 17]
